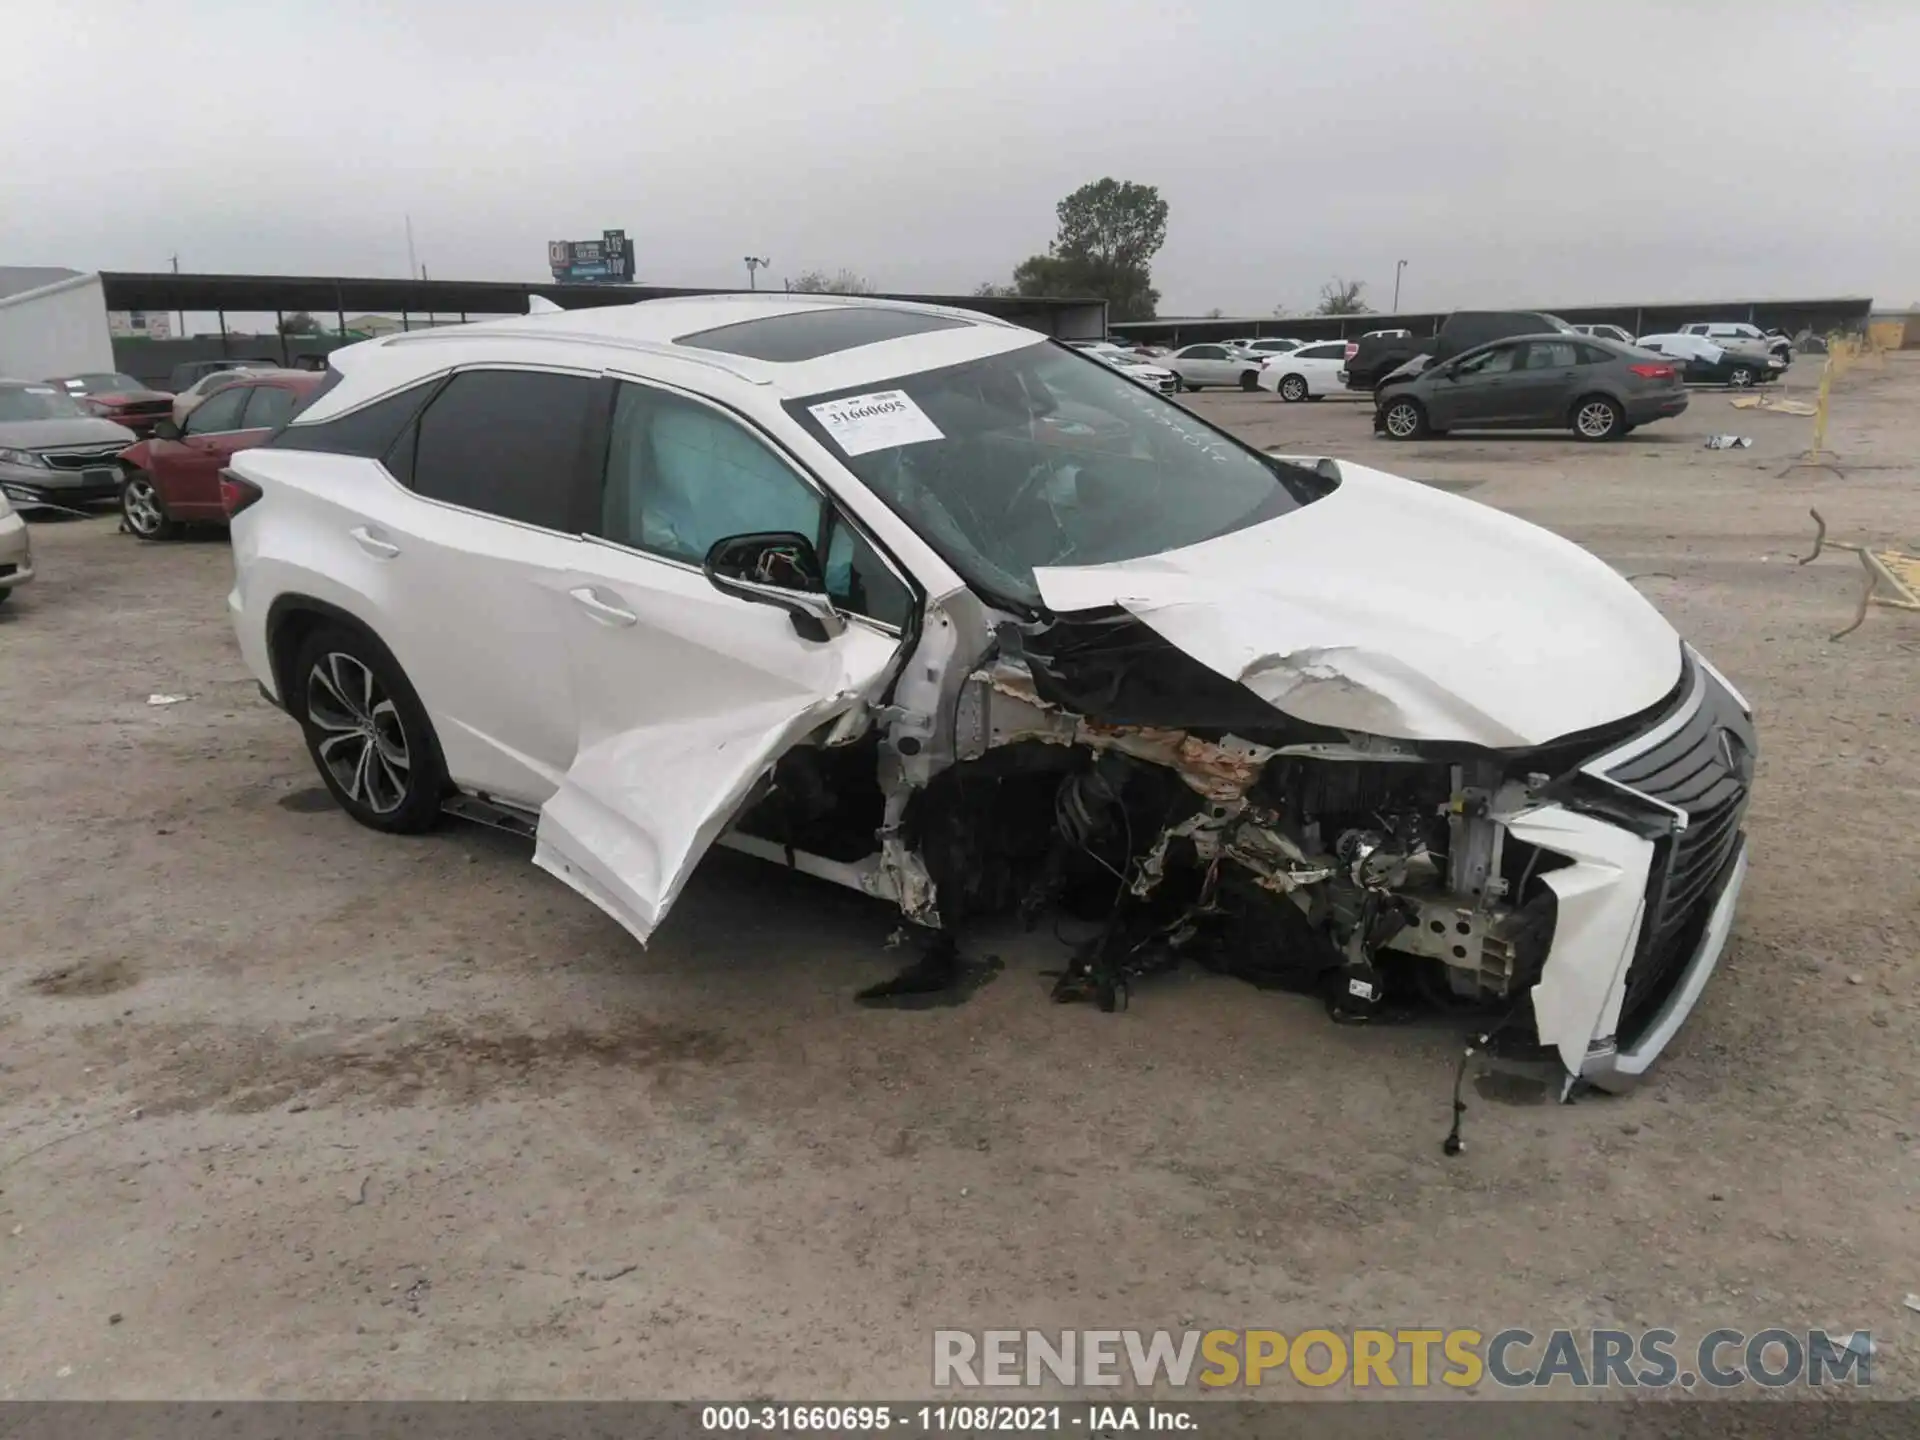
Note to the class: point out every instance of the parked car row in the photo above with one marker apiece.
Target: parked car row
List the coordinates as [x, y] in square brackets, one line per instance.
[83, 440]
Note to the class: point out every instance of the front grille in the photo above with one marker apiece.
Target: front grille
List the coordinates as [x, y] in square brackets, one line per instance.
[1704, 769]
[82, 458]
[6, 570]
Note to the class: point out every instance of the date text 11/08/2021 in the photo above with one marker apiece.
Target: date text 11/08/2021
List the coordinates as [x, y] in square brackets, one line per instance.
[959, 1418]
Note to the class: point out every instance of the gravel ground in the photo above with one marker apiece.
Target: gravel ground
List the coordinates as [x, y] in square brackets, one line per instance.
[291, 1109]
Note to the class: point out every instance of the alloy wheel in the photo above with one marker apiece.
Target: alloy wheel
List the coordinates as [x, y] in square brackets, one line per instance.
[1740, 379]
[1595, 419]
[363, 744]
[1293, 388]
[142, 507]
[1402, 421]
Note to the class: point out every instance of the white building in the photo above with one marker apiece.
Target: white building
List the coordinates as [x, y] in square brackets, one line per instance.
[52, 322]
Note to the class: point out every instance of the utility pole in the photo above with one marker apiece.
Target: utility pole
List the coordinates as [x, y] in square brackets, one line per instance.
[413, 267]
[1396, 285]
[755, 264]
[174, 260]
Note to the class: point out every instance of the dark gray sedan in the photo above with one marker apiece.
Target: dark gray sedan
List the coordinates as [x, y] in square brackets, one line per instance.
[1599, 389]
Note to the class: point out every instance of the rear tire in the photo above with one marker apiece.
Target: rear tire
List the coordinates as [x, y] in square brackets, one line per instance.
[1596, 419]
[143, 510]
[1293, 389]
[1404, 420]
[1249, 380]
[367, 731]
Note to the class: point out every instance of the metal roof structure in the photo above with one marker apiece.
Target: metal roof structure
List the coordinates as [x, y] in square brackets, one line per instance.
[339, 295]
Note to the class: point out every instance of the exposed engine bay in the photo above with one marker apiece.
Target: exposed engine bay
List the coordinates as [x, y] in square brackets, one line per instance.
[1369, 871]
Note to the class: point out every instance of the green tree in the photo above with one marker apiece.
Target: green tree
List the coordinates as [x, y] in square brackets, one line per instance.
[1342, 297]
[841, 282]
[299, 323]
[1109, 232]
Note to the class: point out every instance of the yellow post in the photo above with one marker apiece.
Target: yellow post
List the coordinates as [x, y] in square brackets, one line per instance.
[1820, 409]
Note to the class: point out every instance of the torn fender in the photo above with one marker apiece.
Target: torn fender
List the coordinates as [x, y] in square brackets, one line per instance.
[1398, 610]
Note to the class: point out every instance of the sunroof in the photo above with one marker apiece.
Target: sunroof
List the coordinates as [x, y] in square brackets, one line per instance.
[810, 334]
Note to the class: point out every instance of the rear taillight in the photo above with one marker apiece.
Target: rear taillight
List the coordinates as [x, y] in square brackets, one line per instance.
[236, 494]
[1353, 348]
[1652, 372]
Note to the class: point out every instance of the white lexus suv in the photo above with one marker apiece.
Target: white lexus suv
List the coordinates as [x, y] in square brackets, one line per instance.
[931, 606]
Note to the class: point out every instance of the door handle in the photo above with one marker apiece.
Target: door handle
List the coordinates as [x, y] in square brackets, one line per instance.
[600, 610]
[373, 544]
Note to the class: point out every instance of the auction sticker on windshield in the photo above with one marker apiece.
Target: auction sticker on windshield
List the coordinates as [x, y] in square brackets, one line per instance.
[879, 421]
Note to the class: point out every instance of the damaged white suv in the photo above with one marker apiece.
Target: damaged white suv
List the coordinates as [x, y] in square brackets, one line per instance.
[934, 607]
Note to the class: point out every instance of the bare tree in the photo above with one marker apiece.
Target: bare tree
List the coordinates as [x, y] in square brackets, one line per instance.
[1216, 313]
[1342, 297]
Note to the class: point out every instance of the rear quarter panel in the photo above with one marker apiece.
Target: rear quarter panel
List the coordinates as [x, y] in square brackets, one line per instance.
[294, 541]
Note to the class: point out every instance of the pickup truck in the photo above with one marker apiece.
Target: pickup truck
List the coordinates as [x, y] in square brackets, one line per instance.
[1370, 360]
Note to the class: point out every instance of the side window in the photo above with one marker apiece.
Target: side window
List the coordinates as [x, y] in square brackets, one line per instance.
[268, 407]
[505, 442]
[369, 430]
[1551, 355]
[1323, 352]
[1490, 362]
[681, 475]
[219, 412]
[859, 580]
[1206, 352]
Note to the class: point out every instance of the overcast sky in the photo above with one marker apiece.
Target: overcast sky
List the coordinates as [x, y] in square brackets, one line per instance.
[1511, 151]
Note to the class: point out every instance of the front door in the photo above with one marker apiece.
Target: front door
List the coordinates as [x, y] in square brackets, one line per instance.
[186, 471]
[685, 695]
[1477, 392]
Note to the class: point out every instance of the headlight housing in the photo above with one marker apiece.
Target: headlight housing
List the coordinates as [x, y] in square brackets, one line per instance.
[21, 457]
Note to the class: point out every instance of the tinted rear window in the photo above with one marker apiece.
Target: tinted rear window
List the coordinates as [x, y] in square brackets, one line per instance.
[787, 339]
[369, 431]
[507, 443]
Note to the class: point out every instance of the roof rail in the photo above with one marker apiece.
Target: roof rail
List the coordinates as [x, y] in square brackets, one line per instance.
[506, 330]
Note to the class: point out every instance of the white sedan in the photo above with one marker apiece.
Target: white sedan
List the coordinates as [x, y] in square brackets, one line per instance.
[1214, 364]
[1310, 373]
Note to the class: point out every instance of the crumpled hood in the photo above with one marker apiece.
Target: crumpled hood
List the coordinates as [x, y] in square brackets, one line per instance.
[1396, 609]
[51, 434]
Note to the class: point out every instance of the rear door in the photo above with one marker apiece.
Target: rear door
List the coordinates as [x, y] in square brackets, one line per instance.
[1319, 364]
[187, 471]
[685, 695]
[1544, 382]
[466, 562]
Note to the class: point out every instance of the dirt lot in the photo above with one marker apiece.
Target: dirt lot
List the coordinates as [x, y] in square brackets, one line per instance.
[288, 1108]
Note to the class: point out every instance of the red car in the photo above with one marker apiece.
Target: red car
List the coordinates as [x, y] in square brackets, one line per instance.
[119, 398]
[174, 477]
